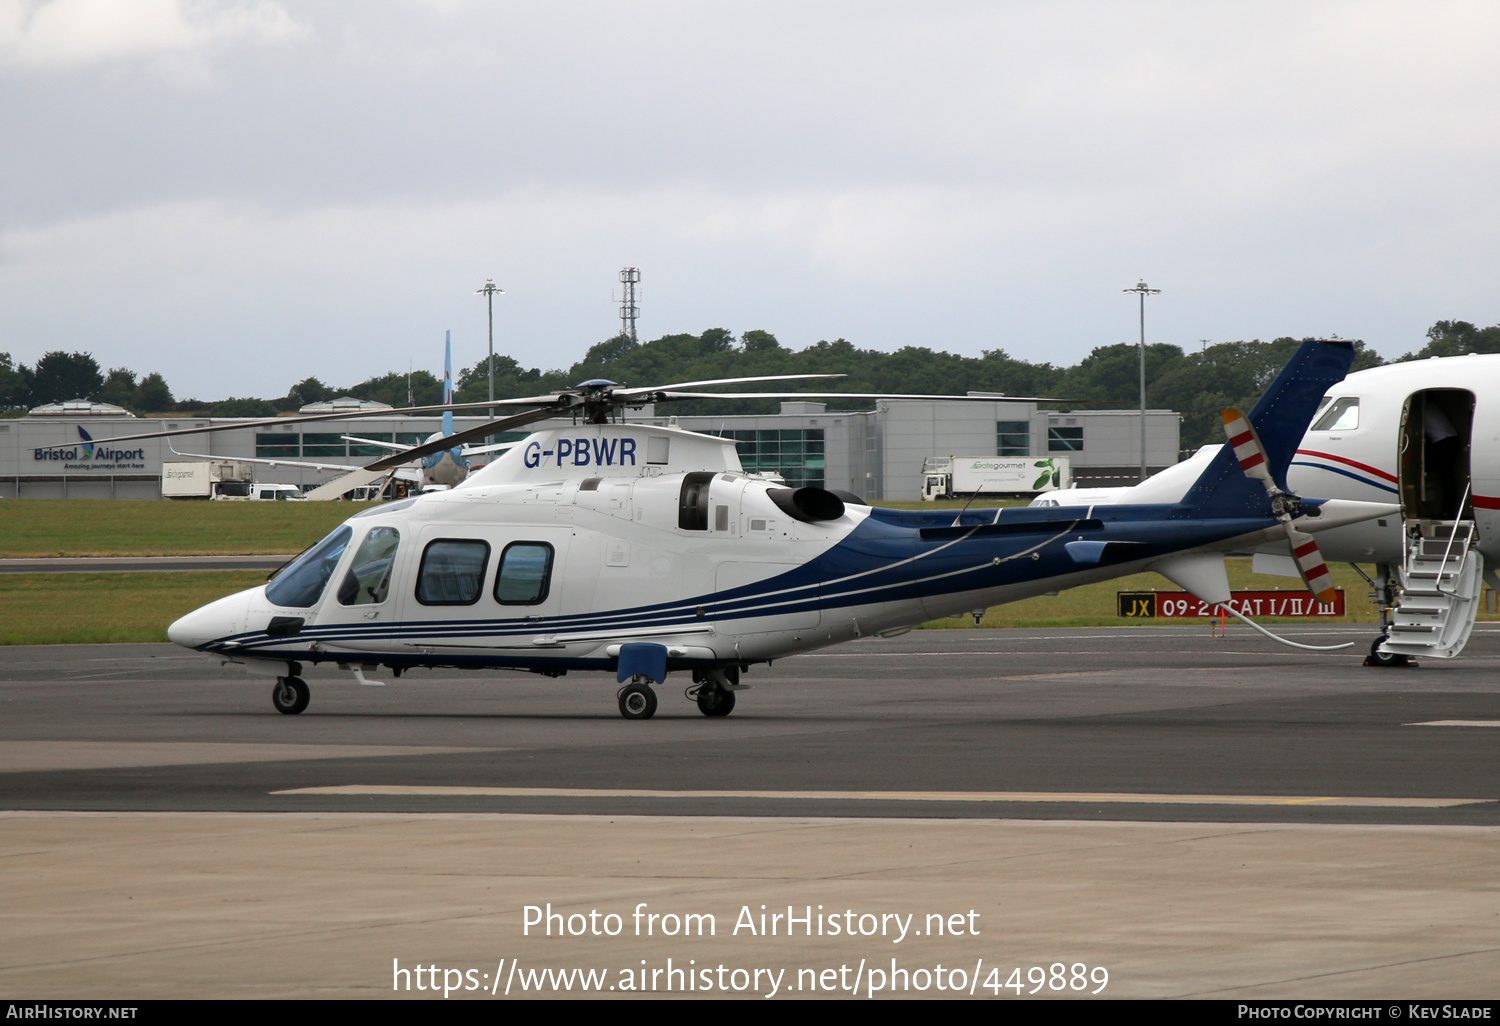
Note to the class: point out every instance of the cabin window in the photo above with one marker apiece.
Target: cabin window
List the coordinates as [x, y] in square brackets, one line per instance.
[368, 581]
[301, 584]
[692, 502]
[452, 572]
[525, 574]
[1341, 415]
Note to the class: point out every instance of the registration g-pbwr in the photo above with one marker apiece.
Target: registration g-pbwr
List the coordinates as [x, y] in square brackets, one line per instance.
[645, 551]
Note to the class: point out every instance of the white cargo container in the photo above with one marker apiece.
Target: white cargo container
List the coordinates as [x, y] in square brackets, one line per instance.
[206, 479]
[961, 477]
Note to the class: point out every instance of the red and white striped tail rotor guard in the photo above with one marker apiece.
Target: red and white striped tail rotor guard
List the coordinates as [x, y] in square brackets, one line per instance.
[1252, 457]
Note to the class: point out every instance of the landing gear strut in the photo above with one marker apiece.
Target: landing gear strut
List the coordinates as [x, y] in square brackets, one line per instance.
[637, 700]
[713, 700]
[1384, 592]
[713, 690]
[290, 695]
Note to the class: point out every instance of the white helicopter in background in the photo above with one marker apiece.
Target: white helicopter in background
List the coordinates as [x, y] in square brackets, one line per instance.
[639, 550]
[435, 471]
[1425, 434]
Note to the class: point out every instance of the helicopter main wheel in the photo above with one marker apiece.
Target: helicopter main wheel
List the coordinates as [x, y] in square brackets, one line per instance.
[714, 700]
[290, 695]
[1379, 658]
[637, 702]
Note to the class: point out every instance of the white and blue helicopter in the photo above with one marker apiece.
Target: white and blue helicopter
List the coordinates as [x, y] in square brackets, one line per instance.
[639, 551]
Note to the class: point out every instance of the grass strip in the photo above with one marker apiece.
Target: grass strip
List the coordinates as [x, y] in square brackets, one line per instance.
[93, 609]
[105, 527]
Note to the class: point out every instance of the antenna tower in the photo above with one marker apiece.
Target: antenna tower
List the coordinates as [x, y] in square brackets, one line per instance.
[629, 278]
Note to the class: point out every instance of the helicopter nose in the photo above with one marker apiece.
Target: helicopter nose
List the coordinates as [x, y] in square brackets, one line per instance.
[216, 620]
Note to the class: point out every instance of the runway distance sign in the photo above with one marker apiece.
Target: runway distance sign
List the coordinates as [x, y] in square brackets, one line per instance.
[1182, 605]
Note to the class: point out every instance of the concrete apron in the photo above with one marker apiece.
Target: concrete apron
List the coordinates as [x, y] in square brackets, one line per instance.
[160, 905]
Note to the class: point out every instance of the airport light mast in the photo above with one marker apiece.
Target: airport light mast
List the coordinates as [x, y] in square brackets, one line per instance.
[489, 292]
[1142, 290]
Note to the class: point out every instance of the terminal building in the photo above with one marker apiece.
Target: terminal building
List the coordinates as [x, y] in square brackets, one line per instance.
[878, 454]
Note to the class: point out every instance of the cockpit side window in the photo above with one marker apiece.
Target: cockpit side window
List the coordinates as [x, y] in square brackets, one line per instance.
[1341, 415]
[368, 581]
[301, 584]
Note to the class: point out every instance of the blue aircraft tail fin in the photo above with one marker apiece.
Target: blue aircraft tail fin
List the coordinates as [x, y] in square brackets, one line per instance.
[447, 382]
[1281, 417]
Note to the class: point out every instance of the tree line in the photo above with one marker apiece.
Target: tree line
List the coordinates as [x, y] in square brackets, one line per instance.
[1196, 383]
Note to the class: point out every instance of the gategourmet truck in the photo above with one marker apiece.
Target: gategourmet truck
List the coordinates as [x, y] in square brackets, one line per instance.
[206, 479]
[962, 477]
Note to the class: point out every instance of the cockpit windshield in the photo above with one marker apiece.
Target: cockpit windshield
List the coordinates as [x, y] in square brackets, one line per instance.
[301, 584]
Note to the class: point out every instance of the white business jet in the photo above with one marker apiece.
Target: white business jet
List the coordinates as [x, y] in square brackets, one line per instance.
[1425, 434]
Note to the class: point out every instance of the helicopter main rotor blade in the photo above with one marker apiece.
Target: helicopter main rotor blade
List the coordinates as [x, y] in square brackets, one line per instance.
[459, 437]
[723, 381]
[311, 417]
[665, 396]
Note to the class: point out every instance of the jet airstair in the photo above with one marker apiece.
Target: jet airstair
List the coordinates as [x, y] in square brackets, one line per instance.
[1441, 580]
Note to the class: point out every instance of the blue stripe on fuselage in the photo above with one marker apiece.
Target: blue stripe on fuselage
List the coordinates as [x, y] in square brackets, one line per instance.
[884, 559]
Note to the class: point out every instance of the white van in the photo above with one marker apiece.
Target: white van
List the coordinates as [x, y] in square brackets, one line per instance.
[277, 492]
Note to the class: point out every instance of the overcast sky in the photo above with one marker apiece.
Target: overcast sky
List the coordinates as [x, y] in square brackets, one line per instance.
[241, 193]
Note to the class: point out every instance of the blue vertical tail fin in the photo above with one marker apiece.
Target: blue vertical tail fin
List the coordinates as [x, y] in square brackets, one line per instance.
[1281, 417]
[447, 382]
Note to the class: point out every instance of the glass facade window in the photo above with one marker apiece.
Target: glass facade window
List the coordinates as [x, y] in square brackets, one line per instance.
[284, 444]
[1013, 438]
[355, 449]
[525, 574]
[796, 454]
[1064, 439]
[452, 572]
[324, 445]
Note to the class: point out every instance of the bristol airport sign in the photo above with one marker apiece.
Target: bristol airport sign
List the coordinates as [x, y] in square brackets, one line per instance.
[87, 455]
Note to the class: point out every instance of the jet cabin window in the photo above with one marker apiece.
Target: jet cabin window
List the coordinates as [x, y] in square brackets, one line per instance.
[301, 584]
[1341, 415]
[452, 572]
[525, 574]
[368, 581]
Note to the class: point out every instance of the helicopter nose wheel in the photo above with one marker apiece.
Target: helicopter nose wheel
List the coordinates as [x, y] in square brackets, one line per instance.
[290, 695]
[637, 701]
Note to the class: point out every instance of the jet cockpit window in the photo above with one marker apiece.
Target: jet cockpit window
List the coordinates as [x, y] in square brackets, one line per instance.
[452, 572]
[368, 581]
[1341, 415]
[301, 584]
[525, 574]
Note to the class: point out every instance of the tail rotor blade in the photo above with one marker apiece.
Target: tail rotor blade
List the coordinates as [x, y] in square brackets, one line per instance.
[1310, 562]
[1247, 448]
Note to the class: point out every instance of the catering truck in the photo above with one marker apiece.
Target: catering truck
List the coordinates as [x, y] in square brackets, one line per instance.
[206, 479]
[964, 477]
